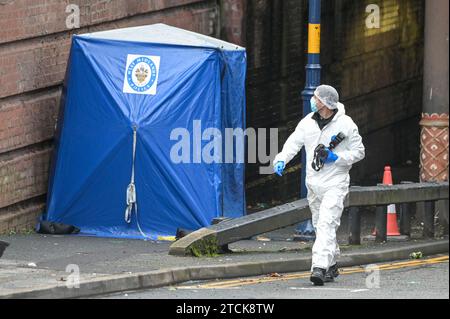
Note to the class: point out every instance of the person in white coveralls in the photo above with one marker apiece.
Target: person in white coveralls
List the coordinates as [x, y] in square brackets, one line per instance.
[327, 172]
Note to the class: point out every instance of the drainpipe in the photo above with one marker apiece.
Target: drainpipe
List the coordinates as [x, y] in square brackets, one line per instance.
[434, 123]
[312, 82]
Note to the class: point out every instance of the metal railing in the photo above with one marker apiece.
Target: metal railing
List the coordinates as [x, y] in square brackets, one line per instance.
[274, 218]
[420, 192]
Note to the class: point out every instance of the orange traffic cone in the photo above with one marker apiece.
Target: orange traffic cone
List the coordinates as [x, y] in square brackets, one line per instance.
[387, 176]
[392, 226]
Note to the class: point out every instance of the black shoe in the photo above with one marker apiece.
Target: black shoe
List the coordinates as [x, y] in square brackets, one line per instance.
[3, 246]
[333, 272]
[318, 276]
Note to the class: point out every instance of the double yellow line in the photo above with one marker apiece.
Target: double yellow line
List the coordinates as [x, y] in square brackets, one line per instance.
[344, 271]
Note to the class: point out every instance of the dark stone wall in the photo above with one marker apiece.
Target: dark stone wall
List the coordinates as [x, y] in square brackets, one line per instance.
[378, 73]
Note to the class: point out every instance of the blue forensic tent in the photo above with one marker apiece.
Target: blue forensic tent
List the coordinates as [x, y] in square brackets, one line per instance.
[140, 110]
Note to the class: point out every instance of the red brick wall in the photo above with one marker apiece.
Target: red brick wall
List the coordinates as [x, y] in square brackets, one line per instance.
[28, 120]
[233, 19]
[34, 47]
[24, 19]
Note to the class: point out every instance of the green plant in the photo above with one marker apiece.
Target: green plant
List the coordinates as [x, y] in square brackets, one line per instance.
[207, 247]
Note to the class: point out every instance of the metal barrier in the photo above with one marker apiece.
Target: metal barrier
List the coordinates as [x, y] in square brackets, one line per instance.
[405, 195]
[211, 239]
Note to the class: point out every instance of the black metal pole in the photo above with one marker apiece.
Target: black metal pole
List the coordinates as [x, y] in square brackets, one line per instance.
[405, 219]
[3, 246]
[355, 226]
[405, 215]
[381, 224]
[428, 219]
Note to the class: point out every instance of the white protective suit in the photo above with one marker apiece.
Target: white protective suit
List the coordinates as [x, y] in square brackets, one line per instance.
[328, 187]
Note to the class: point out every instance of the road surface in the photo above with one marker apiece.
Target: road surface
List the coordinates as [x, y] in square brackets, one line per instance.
[410, 279]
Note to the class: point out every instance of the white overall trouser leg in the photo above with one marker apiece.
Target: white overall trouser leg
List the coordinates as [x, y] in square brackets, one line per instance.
[326, 206]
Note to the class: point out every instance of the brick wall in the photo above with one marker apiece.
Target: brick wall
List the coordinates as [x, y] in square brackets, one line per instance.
[378, 74]
[34, 47]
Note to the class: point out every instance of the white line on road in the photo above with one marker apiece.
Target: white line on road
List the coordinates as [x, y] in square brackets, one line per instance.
[202, 288]
[318, 288]
[325, 288]
[359, 290]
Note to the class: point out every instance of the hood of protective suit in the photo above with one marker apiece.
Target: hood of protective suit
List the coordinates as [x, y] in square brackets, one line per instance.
[340, 110]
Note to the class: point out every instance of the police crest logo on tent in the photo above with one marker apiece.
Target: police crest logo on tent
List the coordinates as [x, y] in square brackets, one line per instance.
[141, 74]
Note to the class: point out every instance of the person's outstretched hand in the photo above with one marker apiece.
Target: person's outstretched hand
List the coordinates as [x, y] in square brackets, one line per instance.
[278, 168]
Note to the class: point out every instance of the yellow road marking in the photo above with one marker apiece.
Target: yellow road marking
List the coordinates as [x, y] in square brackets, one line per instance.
[344, 271]
[307, 274]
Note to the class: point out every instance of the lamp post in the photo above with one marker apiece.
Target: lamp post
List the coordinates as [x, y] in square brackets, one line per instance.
[305, 230]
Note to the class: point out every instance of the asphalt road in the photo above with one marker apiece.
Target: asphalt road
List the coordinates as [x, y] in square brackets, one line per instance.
[410, 279]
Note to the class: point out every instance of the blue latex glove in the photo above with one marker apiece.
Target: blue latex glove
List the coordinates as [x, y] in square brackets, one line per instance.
[331, 157]
[279, 167]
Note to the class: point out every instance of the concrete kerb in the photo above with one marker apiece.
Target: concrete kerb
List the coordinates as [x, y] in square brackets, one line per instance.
[427, 249]
[166, 277]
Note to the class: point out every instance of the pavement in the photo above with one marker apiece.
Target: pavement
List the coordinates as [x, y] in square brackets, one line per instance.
[43, 266]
